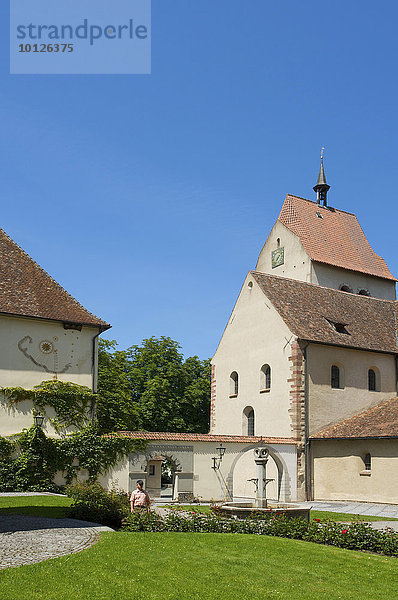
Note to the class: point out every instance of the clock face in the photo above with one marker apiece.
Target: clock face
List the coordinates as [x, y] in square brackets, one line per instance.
[278, 257]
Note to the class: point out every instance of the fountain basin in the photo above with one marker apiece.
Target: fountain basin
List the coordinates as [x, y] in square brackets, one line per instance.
[246, 509]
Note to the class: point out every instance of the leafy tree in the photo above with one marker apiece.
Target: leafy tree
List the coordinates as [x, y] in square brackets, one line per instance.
[115, 409]
[151, 387]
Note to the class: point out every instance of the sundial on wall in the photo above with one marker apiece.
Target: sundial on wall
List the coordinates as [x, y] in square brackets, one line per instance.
[278, 257]
[51, 355]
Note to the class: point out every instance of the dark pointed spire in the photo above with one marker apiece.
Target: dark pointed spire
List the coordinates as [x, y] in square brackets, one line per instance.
[321, 188]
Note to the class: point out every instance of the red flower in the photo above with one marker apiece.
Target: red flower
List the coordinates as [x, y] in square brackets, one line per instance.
[345, 531]
[317, 520]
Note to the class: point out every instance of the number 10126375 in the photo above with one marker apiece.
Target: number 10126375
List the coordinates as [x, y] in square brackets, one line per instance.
[45, 48]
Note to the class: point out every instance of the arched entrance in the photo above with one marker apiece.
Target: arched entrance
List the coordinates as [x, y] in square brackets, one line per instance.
[242, 476]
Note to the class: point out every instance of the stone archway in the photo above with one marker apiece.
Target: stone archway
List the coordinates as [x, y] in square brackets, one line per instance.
[243, 469]
[155, 470]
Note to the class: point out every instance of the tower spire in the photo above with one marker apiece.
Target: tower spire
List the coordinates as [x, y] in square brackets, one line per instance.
[321, 188]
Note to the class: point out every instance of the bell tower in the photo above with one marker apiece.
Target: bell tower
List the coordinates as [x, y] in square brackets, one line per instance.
[321, 188]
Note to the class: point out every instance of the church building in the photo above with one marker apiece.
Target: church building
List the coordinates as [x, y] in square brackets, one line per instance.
[310, 352]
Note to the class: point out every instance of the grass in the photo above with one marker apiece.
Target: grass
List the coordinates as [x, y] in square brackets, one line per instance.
[315, 514]
[345, 517]
[38, 506]
[187, 566]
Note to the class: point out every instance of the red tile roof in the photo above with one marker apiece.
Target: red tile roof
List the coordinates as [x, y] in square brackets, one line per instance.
[379, 421]
[309, 310]
[200, 437]
[27, 290]
[335, 239]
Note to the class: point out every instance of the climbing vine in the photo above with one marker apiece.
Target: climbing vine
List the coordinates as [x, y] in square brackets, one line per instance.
[72, 402]
[30, 460]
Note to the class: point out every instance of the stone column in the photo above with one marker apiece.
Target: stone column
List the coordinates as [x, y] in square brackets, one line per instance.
[261, 459]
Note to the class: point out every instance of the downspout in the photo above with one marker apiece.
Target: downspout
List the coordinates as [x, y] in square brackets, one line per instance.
[307, 442]
[94, 370]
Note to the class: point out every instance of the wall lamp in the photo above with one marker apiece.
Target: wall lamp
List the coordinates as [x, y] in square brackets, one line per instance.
[217, 459]
[39, 418]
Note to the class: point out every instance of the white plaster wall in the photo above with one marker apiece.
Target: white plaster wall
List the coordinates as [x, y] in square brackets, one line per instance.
[208, 484]
[20, 338]
[255, 335]
[338, 464]
[297, 264]
[334, 277]
[328, 406]
[236, 467]
[117, 477]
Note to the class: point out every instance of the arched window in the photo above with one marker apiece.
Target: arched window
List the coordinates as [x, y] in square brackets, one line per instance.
[335, 380]
[233, 384]
[368, 462]
[248, 421]
[374, 380]
[346, 288]
[265, 378]
[363, 292]
[371, 380]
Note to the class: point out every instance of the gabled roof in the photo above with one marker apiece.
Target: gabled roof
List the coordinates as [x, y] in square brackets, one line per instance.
[379, 421]
[336, 238]
[312, 312]
[27, 290]
[200, 437]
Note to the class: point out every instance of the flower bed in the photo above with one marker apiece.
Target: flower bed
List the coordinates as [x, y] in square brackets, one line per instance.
[353, 536]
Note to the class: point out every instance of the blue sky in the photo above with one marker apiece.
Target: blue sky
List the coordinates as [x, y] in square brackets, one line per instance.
[149, 197]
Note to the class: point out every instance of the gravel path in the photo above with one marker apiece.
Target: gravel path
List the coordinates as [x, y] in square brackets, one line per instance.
[25, 540]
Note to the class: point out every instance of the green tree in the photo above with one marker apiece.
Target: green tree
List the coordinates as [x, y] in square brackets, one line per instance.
[151, 387]
[115, 409]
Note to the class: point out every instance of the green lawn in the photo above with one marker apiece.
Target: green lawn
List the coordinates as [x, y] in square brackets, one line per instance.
[315, 514]
[187, 566]
[345, 517]
[39, 506]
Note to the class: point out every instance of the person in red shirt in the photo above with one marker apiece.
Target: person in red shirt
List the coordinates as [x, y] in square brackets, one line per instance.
[139, 499]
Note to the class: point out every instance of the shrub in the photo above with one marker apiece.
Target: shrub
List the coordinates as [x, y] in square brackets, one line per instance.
[353, 536]
[93, 503]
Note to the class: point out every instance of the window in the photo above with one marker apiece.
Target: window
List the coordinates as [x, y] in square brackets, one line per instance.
[346, 288]
[151, 470]
[374, 380]
[265, 378]
[367, 462]
[339, 327]
[248, 421]
[363, 292]
[335, 377]
[233, 384]
[371, 380]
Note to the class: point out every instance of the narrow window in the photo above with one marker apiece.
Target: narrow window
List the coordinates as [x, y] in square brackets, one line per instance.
[335, 377]
[265, 378]
[371, 380]
[368, 462]
[233, 384]
[248, 421]
[151, 470]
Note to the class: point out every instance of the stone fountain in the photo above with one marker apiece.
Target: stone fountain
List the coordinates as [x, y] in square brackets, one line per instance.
[260, 505]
